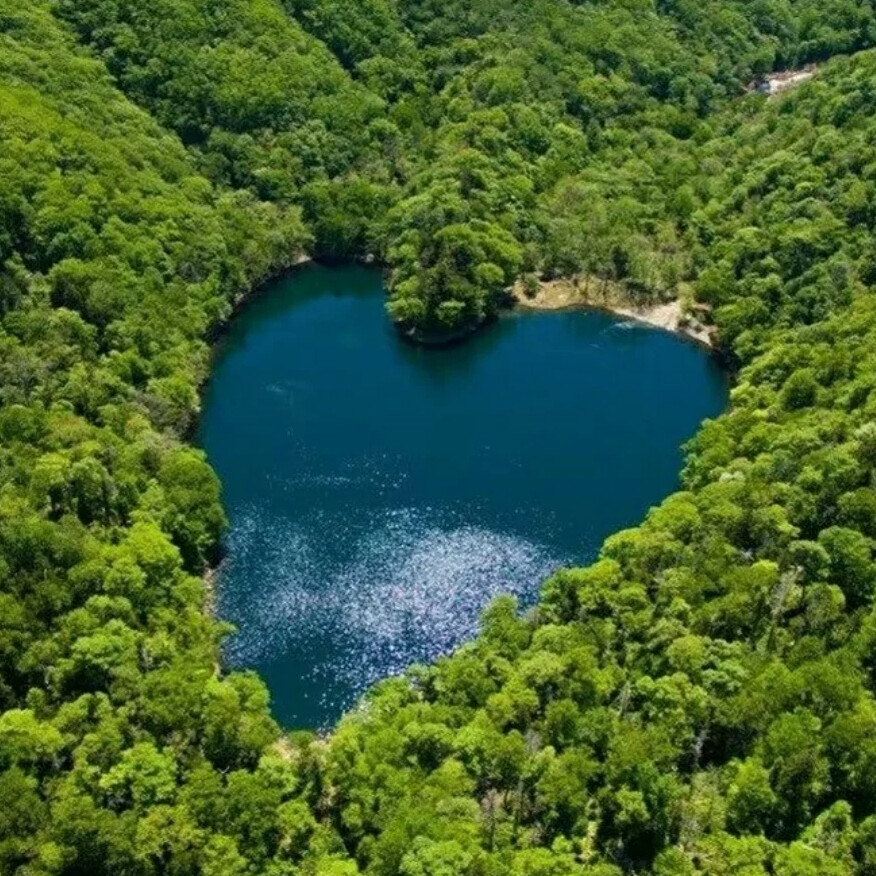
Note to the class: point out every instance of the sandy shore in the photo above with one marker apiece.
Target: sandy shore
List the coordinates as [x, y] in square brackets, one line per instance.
[567, 294]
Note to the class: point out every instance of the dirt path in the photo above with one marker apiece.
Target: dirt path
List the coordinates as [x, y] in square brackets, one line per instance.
[775, 83]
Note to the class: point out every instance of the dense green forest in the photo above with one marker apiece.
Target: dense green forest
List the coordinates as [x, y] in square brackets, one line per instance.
[445, 138]
[701, 698]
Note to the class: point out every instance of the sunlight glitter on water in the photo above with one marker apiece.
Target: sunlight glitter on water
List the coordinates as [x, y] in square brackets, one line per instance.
[410, 588]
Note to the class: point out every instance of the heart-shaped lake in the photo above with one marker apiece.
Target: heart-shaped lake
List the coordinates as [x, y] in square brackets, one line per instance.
[381, 494]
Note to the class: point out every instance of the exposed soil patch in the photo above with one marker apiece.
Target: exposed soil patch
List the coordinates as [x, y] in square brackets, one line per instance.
[775, 83]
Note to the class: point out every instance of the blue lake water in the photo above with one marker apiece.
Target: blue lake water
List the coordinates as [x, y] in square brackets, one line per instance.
[381, 494]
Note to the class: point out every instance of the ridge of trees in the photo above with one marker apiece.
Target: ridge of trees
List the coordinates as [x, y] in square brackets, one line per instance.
[442, 137]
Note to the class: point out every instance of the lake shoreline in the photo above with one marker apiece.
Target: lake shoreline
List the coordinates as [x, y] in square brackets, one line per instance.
[566, 294]
[379, 497]
[215, 337]
[554, 295]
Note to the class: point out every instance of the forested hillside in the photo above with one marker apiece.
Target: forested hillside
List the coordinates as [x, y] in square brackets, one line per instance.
[118, 258]
[472, 121]
[701, 699]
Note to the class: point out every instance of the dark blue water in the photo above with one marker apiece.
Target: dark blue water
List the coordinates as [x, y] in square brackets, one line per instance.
[380, 494]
